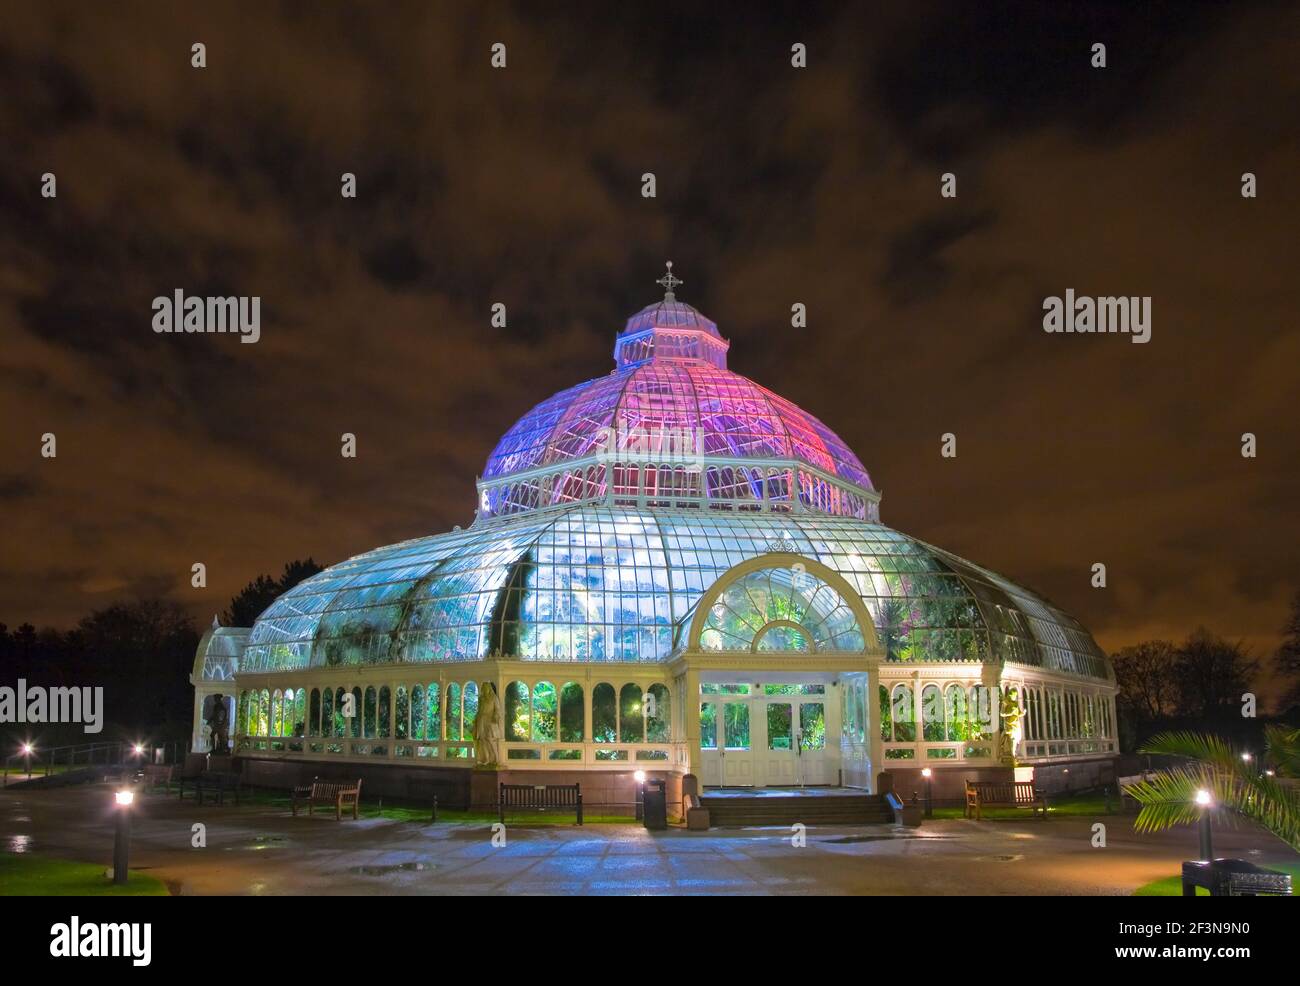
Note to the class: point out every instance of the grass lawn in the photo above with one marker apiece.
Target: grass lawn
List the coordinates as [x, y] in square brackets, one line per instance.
[1172, 886]
[1065, 806]
[25, 875]
[399, 811]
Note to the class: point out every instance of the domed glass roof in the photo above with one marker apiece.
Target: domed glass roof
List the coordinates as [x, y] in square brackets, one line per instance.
[726, 414]
[596, 583]
[671, 391]
[597, 538]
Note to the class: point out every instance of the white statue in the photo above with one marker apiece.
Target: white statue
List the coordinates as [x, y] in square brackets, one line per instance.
[487, 728]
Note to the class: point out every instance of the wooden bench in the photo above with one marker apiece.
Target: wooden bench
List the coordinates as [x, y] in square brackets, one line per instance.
[218, 782]
[540, 797]
[1003, 794]
[156, 774]
[340, 794]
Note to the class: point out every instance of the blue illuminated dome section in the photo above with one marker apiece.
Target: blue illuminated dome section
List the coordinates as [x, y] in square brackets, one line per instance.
[597, 584]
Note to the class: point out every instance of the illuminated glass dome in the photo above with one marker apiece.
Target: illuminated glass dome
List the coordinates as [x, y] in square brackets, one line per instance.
[607, 515]
[672, 423]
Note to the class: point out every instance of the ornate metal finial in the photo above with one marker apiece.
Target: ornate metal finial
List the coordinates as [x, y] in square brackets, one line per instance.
[669, 282]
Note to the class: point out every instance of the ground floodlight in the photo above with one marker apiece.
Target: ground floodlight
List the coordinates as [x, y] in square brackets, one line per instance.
[124, 798]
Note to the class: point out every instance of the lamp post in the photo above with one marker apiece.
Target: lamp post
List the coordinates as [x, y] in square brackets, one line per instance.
[1205, 802]
[639, 777]
[928, 774]
[122, 838]
[27, 758]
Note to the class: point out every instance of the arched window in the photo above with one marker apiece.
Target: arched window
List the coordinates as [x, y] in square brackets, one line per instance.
[385, 712]
[327, 712]
[904, 714]
[417, 712]
[631, 720]
[470, 711]
[313, 719]
[356, 712]
[299, 713]
[544, 711]
[277, 713]
[604, 714]
[433, 721]
[402, 714]
[658, 717]
[886, 715]
[453, 711]
[264, 714]
[932, 714]
[981, 713]
[241, 713]
[957, 722]
[572, 713]
[517, 713]
[372, 700]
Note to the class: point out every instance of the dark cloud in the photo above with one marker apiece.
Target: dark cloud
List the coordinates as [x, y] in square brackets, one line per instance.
[775, 185]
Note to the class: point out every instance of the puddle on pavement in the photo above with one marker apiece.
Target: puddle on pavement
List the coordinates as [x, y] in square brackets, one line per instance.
[1003, 858]
[849, 839]
[18, 844]
[261, 842]
[417, 866]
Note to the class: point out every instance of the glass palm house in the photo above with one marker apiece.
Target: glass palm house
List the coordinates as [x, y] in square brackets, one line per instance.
[671, 569]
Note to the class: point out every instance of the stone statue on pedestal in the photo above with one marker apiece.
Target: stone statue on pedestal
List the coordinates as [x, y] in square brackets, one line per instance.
[1009, 736]
[487, 728]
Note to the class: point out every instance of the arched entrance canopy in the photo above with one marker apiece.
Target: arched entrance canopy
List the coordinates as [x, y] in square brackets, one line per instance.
[781, 601]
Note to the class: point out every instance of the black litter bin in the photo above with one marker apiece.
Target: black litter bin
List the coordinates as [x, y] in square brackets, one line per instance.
[655, 810]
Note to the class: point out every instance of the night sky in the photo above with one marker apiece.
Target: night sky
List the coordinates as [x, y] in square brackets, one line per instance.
[776, 185]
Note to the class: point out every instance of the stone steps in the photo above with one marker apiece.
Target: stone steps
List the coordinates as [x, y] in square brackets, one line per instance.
[837, 809]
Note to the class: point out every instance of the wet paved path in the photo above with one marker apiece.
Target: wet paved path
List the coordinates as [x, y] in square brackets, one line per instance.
[263, 850]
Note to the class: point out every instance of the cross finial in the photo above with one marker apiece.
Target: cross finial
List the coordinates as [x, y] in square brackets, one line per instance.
[669, 282]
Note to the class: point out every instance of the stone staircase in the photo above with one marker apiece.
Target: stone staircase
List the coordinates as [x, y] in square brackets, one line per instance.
[733, 810]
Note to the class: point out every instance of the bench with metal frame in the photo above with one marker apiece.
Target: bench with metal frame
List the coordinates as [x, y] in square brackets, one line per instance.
[340, 794]
[540, 797]
[1003, 794]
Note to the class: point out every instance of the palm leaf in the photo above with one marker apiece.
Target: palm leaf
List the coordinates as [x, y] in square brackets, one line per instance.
[1169, 798]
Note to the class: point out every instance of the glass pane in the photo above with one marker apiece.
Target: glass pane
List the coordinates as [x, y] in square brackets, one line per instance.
[385, 711]
[571, 712]
[518, 728]
[433, 727]
[780, 720]
[403, 713]
[470, 711]
[299, 712]
[735, 725]
[812, 726]
[544, 712]
[603, 713]
[708, 726]
[313, 722]
[631, 724]
[657, 717]
[453, 711]
[418, 707]
[931, 714]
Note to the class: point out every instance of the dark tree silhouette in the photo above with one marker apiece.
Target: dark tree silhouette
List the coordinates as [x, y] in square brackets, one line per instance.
[1287, 660]
[251, 601]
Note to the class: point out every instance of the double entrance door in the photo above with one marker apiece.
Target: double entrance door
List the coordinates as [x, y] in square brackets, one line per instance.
[776, 736]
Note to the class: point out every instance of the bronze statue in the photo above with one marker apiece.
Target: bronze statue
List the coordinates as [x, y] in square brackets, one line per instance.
[219, 722]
